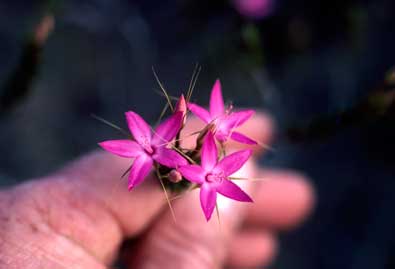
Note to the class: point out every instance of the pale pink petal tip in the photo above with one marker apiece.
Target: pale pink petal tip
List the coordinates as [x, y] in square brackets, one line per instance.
[216, 100]
[181, 105]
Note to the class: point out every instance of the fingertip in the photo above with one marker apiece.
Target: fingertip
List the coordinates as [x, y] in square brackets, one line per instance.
[98, 176]
[283, 200]
[259, 128]
[252, 248]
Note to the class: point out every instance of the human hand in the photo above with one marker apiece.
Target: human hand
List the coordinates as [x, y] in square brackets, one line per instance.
[78, 218]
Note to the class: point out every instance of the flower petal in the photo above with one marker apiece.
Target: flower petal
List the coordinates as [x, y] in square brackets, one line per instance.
[167, 130]
[216, 101]
[123, 148]
[169, 157]
[199, 112]
[209, 153]
[242, 138]
[208, 198]
[233, 162]
[236, 119]
[139, 128]
[193, 173]
[141, 167]
[231, 190]
[221, 136]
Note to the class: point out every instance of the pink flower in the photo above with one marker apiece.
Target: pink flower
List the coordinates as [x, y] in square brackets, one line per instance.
[147, 147]
[225, 121]
[255, 9]
[213, 176]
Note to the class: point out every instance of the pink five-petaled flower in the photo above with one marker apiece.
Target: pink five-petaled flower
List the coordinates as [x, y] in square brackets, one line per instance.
[224, 121]
[148, 147]
[213, 176]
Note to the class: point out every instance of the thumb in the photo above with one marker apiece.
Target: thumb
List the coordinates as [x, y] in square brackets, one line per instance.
[72, 218]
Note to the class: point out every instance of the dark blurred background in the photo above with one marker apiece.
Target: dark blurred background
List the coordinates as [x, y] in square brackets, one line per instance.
[323, 69]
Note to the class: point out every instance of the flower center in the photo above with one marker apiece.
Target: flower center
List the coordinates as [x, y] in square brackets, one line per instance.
[145, 143]
[229, 109]
[215, 177]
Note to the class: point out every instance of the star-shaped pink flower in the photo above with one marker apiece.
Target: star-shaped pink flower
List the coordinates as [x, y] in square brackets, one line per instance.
[213, 176]
[225, 121]
[147, 147]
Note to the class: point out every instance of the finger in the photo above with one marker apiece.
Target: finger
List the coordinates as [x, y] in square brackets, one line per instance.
[251, 249]
[191, 242]
[259, 128]
[78, 204]
[99, 176]
[282, 201]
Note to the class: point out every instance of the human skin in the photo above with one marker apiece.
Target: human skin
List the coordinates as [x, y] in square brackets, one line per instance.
[79, 216]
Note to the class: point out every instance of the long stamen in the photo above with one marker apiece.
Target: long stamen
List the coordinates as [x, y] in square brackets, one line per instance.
[110, 124]
[193, 82]
[180, 139]
[162, 114]
[163, 89]
[245, 178]
[166, 195]
[218, 216]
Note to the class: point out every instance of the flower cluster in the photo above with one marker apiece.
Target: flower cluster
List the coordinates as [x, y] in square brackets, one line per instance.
[204, 166]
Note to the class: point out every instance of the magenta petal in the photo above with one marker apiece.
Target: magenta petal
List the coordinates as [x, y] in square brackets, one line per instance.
[233, 162]
[139, 128]
[242, 138]
[231, 190]
[193, 173]
[168, 129]
[123, 148]
[236, 119]
[208, 198]
[209, 153]
[141, 167]
[169, 157]
[216, 101]
[200, 112]
[221, 136]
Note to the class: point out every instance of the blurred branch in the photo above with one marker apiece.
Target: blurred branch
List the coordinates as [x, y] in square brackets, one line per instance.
[379, 103]
[18, 85]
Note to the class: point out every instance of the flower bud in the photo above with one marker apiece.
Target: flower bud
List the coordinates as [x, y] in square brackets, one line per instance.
[175, 176]
[182, 107]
